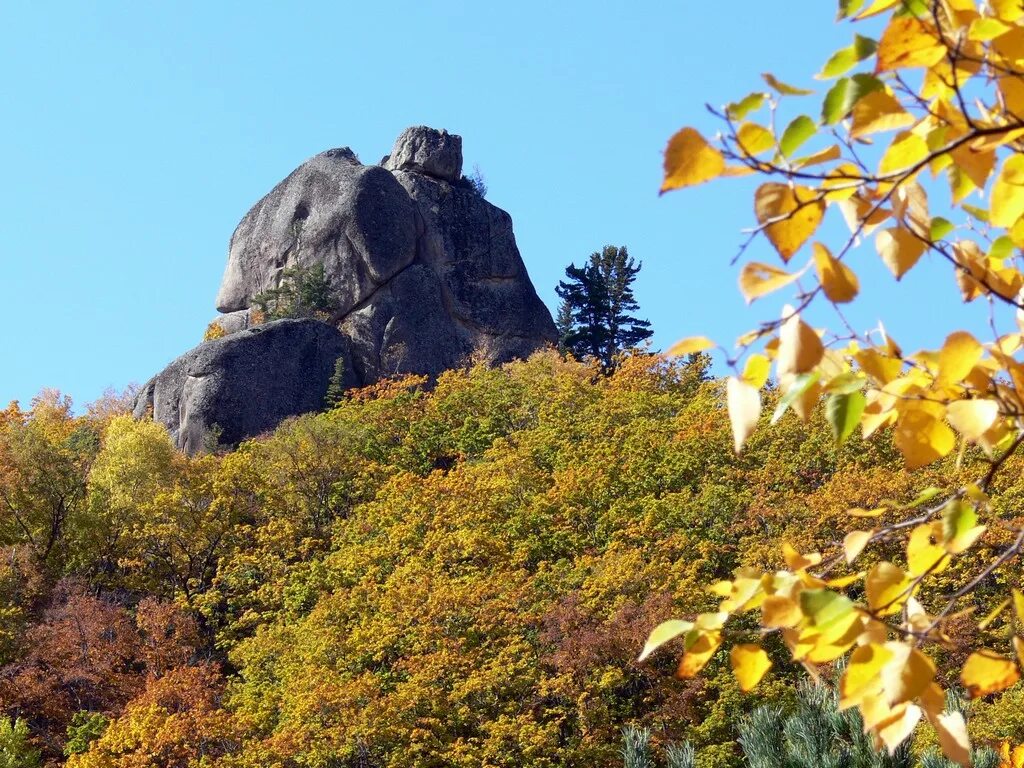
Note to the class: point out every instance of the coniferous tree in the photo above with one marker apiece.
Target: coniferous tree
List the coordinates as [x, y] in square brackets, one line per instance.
[596, 318]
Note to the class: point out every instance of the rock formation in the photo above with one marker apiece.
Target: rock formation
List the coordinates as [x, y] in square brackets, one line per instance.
[424, 273]
[246, 383]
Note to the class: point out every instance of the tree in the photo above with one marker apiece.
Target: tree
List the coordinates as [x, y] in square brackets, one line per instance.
[302, 292]
[16, 750]
[45, 455]
[594, 318]
[941, 91]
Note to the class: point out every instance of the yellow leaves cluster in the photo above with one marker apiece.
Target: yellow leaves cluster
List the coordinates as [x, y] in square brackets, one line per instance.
[890, 681]
[939, 94]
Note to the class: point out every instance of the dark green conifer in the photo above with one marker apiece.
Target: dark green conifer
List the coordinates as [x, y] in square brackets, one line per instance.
[595, 318]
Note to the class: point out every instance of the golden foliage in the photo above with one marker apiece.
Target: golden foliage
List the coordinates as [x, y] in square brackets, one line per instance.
[938, 92]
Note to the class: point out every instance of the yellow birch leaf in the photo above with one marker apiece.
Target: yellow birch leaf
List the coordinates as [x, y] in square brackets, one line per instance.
[863, 674]
[925, 552]
[721, 588]
[972, 418]
[959, 354]
[842, 181]
[795, 214]
[735, 171]
[690, 160]
[874, 710]
[861, 216]
[744, 403]
[987, 672]
[1007, 202]
[845, 581]
[908, 42]
[887, 587]
[800, 348]
[861, 512]
[803, 405]
[932, 700]
[827, 648]
[953, 739]
[747, 594]
[878, 111]
[991, 142]
[907, 674]
[894, 730]
[757, 279]
[783, 88]
[837, 280]
[749, 664]
[830, 613]
[1007, 10]
[690, 345]
[906, 150]
[882, 368]
[778, 611]
[699, 654]
[854, 543]
[661, 634]
[900, 249]
[709, 621]
[1010, 47]
[754, 139]
[877, 7]
[910, 203]
[985, 28]
[922, 438]
[976, 164]
[756, 370]
[823, 156]
[797, 562]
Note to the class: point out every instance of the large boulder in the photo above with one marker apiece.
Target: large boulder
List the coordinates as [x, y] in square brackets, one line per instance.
[241, 385]
[427, 151]
[424, 275]
[424, 272]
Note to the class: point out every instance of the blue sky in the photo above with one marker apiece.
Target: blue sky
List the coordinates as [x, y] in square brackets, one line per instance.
[136, 135]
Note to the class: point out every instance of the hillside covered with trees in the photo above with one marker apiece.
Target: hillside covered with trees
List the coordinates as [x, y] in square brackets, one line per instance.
[455, 577]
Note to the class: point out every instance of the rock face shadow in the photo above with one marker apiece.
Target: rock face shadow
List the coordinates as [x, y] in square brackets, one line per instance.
[424, 273]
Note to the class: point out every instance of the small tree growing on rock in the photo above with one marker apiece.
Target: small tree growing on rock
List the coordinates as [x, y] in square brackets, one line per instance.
[303, 292]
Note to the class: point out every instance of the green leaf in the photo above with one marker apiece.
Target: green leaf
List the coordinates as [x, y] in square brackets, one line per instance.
[740, 109]
[845, 59]
[796, 133]
[924, 497]
[843, 413]
[845, 93]
[849, 7]
[801, 384]
[1002, 248]
[979, 213]
[661, 634]
[940, 227]
[960, 527]
[829, 612]
[845, 383]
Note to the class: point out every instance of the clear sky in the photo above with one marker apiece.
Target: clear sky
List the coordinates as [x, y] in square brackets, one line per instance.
[136, 135]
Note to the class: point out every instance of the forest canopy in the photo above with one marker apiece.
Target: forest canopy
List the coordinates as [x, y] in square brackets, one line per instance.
[462, 576]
